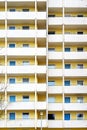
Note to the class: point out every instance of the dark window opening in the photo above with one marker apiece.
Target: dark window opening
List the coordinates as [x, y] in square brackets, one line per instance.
[79, 32]
[51, 117]
[51, 15]
[51, 32]
[80, 49]
[80, 15]
[25, 27]
[25, 10]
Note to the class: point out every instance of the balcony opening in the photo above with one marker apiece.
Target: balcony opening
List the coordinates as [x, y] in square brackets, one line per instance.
[67, 66]
[79, 66]
[79, 32]
[12, 10]
[51, 116]
[80, 82]
[12, 80]
[67, 49]
[51, 99]
[80, 116]
[67, 116]
[80, 49]
[25, 80]
[25, 10]
[67, 99]
[80, 15]
[51, 32]
[51, 49]
[25, 45]
[25, 98]
[67, 83]
[12, 116]
[12, 98]
[79, 99]
[12, 63]
[11, 27]
[25, 116]
[51, 83]
[51, 15]
[12, 45]
[25, 27]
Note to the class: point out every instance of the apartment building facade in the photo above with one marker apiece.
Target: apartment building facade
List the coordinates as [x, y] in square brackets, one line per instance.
[43, 64]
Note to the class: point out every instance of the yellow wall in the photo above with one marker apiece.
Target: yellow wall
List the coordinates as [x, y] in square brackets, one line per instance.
[19, 97]
[19, 78]
[20, 44]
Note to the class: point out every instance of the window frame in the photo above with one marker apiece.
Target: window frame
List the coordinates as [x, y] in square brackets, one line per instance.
[12, 100]
[67, 49]
[25, 99]
[25, 80]
[12, 45]
[25, 115]
[51, 81]
[12, 63]
[67, 82]
[67, 66]
[11, 118]
[80, 118]
[12, 81]
[53, 117]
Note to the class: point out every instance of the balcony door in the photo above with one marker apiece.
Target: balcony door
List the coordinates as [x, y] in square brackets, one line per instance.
[67, 116]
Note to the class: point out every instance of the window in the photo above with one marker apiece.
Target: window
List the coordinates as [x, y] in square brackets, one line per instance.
[51, 49]
[25, 62]
[25, 98]
[25, 45]
[12, 99]
[25, 115]
[79, 32]
[25, 10]
[67, 49]
[80, 15]
[67, 82]
[51, 32]
[67, 116]
[67, 99]
[12, 63]
[12, 45]
[12, 116]
[80, 99]
[79, 116]
[80, 66]
[25, 27]
[51, 99]
[12, 27]
[80, 82]
[67, 66]
[51, 66]
[80, 49]
[51, 83]
[12, 10]
[12, 80]
[25, 80]
[51, 117]
[51, 15]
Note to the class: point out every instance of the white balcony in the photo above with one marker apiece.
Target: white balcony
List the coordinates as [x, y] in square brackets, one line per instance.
[75, 3]
[75, 72]
[54, 89]
[75, 89]
[55, 106]
[26, 70]
[55, 21]
[67, 21]
[30, 87]
[55, 124]
[54, 3]
[75, 124]
[75, 20]
[26, 15]
[55, 55]
[21, 106]
[2, 15]
[42, 123]
[26, 51]
[2, 87]
[55, 38]
[41, 105]
[75, 106]
[20, 123]
[55, 72]
[75, 38]
[23, 33]
[67, 124]
[75, 55]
